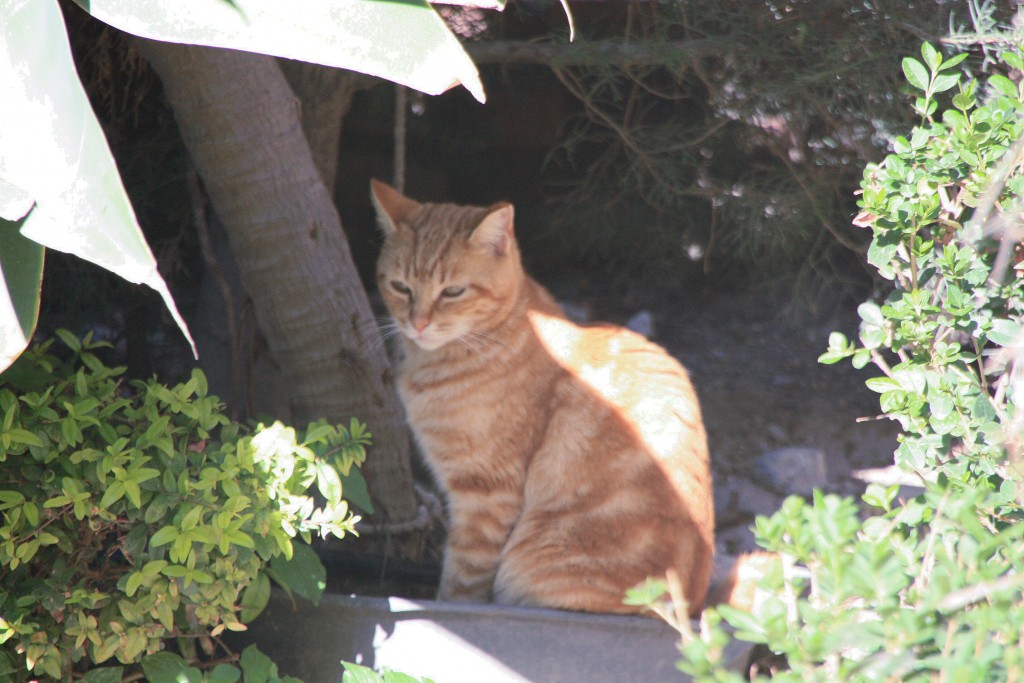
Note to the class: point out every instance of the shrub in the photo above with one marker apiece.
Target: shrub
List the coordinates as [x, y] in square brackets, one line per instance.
[137, 520]
[932, 584]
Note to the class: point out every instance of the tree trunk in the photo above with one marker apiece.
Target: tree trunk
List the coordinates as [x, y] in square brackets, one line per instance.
[325, 94]
[240, 122]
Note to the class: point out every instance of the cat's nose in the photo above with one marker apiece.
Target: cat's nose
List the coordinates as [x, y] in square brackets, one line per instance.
[420, 324]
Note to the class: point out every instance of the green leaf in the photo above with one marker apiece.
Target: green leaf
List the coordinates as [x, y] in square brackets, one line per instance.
[133, 583]
[327, 481]
[166, 667]
[133, 492]
[115, 491]
[832, 357]
[944, 82]
[883, 384]
[916, 73]
[31, 512]
[1005, 332]
[940, 406]
[70, 340]
[1014, 59]
[747, 626]
[54, 150]
[164, 536]
[175, 571]
[223, 673]
[953, 61]
[1003, 85]
[881, 252]
[255, 598]
[861, 358]
[153, 567]
[354, 673]
[355, 492]
[647, 593]
[11, 499]
[24, 436]
[932, 57]
[303, 573]
[106, 674]
[871, 313]
[963, 101]
[256, 666]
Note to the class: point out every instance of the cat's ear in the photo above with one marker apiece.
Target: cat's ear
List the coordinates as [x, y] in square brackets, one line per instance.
[392, 206]
[495, 230]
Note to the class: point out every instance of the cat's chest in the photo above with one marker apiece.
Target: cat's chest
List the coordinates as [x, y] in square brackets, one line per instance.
[458, 415]
[447, 399]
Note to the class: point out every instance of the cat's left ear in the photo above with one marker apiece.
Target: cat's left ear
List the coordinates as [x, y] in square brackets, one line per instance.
[392, 206]
[495, 230]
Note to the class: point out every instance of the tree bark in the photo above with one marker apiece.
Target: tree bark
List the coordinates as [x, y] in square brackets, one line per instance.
[325, 94]
[241, 124]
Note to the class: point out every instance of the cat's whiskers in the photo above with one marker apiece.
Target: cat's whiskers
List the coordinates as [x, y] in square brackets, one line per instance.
[378, 336]
[484, 339]
[473, 342]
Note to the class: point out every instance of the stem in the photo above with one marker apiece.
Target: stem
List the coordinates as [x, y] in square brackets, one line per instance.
[928, 560]
[877, 359]
[981, 365]
[913, 264]
[789, 594]
[229, 659]
[950, 631]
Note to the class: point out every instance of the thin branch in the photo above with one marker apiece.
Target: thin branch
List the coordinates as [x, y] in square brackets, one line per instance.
[980, 591]
[598, 53]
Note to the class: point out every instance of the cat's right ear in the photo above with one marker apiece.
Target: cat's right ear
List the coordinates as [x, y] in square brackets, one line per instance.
[392, 206]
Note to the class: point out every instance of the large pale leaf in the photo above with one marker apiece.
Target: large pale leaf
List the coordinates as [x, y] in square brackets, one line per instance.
[53, 154]
[21, 275]
[404, 41]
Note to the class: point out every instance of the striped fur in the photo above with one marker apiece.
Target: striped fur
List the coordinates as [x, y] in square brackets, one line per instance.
[574, 458]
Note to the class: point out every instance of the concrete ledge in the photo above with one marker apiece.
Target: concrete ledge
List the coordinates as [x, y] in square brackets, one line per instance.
[460, 643]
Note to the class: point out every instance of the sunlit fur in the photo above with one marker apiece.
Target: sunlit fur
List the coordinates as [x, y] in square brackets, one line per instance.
[574, 458]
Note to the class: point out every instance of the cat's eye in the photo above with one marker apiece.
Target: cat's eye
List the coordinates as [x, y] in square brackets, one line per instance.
[452, 292]
[400, 287]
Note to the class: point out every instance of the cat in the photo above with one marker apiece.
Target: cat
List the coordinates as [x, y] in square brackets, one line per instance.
[574, 458]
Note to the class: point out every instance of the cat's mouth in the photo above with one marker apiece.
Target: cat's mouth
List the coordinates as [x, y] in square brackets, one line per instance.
[427, 339]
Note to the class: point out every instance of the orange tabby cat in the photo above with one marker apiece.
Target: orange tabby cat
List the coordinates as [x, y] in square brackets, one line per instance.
[574, 458]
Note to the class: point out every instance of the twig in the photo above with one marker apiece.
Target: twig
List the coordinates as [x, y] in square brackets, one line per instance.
[980, 591]
[987, 202]
[597, 53]
[811, 198]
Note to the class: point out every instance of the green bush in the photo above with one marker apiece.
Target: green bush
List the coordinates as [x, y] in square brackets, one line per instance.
[139, 523]
[928, 588]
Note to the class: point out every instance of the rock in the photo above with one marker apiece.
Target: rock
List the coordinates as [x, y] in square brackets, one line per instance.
[793, 470]
[911, 485]
[642, 323]
[735, 540]
[740, 500]
[576, 312]
[777, 432]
